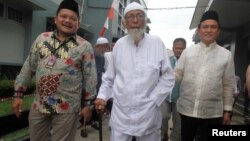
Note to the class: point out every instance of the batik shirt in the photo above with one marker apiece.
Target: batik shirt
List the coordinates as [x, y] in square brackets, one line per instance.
[59, 68]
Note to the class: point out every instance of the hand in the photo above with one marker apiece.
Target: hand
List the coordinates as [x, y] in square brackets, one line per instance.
[227, 118]
[100, 105]
[86, 113]
[17, 106]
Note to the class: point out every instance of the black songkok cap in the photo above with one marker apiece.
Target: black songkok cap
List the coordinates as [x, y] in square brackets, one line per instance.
[212, 15]
[69, 4]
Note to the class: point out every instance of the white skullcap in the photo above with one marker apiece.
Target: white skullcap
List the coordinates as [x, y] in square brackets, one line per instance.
[101, 40]
[133, 6]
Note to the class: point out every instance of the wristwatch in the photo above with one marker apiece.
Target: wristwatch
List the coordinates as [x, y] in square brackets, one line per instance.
[88, 103]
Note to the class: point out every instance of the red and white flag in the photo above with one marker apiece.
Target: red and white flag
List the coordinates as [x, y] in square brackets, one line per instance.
[110, 16]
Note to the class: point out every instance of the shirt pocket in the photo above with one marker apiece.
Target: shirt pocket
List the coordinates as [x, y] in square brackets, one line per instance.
[151, 73]
[152, 68]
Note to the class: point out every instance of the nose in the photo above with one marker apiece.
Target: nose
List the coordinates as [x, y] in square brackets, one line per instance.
[209, 29]
[135, 19]
[67, 19]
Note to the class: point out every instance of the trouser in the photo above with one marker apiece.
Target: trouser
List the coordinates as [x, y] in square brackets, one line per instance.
[118, 136]
[170, 109]
[176, 130]
[52, 127]
[165, 118]
[246, 103]
[190, 126]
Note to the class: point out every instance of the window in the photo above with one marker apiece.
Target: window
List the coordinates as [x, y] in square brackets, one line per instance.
[125, 2]
[120, 8]
[119, 19]
[15, 15]
[1, 10]
[119, 30]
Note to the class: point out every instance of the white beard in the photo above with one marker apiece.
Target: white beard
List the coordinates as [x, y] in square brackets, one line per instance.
[136, 34]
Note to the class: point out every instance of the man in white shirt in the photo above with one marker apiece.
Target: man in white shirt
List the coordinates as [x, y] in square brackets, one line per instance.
[206, 72]
[107, 58]
[179, 44]
[139, 77]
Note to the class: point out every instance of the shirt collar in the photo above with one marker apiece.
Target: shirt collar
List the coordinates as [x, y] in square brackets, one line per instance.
[72, 37]
[210, 46]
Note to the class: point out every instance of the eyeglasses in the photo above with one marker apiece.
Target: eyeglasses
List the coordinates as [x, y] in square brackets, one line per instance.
[137, 16]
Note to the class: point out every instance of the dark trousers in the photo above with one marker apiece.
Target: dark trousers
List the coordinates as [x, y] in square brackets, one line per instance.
[190, 126]
[246, 103]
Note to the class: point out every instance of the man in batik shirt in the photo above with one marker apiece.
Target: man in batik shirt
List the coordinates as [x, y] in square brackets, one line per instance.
[63, 66]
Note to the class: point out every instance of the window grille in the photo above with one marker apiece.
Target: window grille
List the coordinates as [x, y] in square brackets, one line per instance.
[15, 15]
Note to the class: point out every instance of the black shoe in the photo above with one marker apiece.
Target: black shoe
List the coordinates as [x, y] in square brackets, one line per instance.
[84, 133]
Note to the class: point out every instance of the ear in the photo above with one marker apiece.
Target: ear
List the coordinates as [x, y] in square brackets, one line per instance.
[78, 26]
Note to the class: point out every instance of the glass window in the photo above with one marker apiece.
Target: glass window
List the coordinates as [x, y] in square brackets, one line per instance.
[15, 15]
[1, 10]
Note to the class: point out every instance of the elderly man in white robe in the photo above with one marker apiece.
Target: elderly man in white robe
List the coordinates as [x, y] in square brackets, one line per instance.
[140, 77]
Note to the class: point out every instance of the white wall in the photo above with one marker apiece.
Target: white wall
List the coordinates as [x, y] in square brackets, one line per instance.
[12, 37]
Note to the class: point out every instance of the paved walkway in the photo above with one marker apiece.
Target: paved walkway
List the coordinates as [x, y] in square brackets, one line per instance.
[93, 134]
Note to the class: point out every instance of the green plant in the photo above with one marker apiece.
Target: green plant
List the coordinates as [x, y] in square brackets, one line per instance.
[7, 88]
[4, 77]
[6, 84]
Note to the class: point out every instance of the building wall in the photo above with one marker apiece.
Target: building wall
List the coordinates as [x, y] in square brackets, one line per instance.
[39, 18]
[20, 36]
[14, 32]
[95, 15]
[12, 42]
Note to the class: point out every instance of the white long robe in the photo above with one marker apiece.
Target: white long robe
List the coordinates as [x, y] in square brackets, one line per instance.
[107, 57]
[140, 78]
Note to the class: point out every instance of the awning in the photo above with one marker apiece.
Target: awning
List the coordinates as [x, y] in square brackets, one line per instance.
[232, 13]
